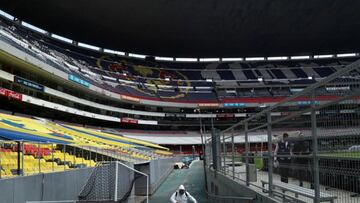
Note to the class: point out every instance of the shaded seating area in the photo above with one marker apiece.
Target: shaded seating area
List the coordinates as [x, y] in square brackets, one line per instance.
[36, 145]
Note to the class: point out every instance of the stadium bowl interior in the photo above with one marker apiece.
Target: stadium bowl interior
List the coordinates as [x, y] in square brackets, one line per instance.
[124, 101]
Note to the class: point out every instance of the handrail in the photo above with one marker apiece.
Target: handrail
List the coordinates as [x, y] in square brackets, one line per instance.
[229, 197]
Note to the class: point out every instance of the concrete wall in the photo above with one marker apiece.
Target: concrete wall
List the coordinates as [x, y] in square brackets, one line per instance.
[67, 185]
[219, 184]
[158, 171]
[50, 186]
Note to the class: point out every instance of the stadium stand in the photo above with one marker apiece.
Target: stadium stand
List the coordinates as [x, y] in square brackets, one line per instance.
[14, 128]
[259, 100]
[166, 81]
[32, 164]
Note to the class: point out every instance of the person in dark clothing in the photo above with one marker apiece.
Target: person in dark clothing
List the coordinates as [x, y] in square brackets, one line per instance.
[301, 164]
[284, 148]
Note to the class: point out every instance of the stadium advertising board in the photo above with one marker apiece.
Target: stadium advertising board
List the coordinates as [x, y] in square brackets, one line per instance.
[145, 122]
[28, 83]
[225, 115]
[129, 98]
[79, 81]
[174, 115]
[170, 115]
[307, 103]
[234, 105]
[128, 120]
[10, 94]
[208, 105]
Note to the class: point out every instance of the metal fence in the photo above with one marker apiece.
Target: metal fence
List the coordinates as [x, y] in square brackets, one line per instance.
[228, 199]
[65, 201]
[311, 151]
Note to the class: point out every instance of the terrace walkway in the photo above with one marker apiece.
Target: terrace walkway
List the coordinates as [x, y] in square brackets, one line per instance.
[192, 179]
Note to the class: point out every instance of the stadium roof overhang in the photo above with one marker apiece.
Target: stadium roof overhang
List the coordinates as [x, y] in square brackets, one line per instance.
[212, 28]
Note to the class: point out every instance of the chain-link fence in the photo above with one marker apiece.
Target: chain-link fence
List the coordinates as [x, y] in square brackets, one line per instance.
[305, 148]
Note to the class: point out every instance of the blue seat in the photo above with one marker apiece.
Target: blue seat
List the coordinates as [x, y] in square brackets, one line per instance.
[299, 73]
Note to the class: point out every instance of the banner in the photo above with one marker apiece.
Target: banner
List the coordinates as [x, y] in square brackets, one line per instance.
[234, 104]
[146, 122]
[79, 81]
[129, 98]
[208, 105]
[10, 94]
[28, 83]
[307, 103]
[225, 115]
[128, 120]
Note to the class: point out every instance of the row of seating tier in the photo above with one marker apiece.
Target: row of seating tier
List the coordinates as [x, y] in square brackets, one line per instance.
[147, 79]
[9, 164]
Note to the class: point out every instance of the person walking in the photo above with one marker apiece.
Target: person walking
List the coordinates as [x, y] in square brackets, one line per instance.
[182, 196]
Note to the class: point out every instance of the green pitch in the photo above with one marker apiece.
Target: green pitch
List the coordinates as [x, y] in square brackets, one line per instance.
[350, 154]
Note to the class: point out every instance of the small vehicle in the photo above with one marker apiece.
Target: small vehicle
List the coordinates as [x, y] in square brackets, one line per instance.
[354, 148]
[187, 160]
[179, 165]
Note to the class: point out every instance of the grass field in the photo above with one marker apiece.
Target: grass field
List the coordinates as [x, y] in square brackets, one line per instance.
[353, 155]
[259, 162]
[350, 154]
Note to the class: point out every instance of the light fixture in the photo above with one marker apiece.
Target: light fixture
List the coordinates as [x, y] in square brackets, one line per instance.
[161, 58]
[323, 56]
[232, 59]
[88, 46]
[6, 15]
[109, 51]
[254, 59]
[32, 27]
[346, 55]
[186, 59]
[141, 56]
[274, 58]
[299, 57]
[209, 59]
[64, 39]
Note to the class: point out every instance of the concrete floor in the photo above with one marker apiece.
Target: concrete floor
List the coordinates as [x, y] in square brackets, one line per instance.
[342, 195]
[192, 179]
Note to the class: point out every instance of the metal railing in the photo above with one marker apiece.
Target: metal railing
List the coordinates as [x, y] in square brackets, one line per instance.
[228, 199]
[19, 158]
[312, 147]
